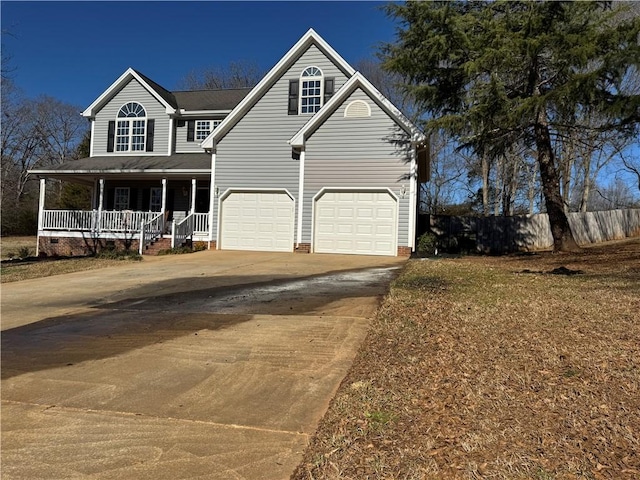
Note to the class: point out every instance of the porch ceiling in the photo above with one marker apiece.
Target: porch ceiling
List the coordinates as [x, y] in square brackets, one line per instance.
[86, 170]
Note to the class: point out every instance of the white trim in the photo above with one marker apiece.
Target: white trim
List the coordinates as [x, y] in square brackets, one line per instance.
[93, 136]
[323, 190]
[194, 186]
[358, 80]
[300, 198]
[172, 136]
[413, 197]
[86, 234]
[188, 171]
[200, 113]
[212, 194]
[231, 190]
[260, 89]
[163, 208]
[130, 73]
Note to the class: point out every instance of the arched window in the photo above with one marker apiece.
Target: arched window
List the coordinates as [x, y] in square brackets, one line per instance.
[131, 128]
[311, 88]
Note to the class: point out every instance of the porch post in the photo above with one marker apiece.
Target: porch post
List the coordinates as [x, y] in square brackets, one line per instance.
[164, 195]
[212, 193]
[193, 195]
[100, 204]
[43, 186]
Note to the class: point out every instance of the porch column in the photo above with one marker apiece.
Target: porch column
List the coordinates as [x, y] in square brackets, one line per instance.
[100, 204]
[212, 193]
[43, 186]
[164, 195]
[193, 195]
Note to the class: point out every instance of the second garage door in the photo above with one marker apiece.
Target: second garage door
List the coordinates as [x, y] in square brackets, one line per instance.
[260, 221]
[358, 222]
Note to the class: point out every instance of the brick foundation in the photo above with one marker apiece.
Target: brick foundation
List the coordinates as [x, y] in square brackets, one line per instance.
[303, 248]
[73, 246]
[404, 251]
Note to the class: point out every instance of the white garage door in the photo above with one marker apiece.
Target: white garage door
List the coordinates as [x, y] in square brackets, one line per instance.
[356, 222]
[261, 221]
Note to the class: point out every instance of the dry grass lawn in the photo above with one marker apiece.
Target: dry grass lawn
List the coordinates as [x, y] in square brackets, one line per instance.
[493, 367]
[25, 270]
[10, 247]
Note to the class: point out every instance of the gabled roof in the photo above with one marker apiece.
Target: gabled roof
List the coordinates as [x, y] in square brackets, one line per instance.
[223, 99]
[165, 97]
[355, 82]
[308, 39]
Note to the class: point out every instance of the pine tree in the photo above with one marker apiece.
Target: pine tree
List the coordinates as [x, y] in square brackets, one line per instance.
[500, 72]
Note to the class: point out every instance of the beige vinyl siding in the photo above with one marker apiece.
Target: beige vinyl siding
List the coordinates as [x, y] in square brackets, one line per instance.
[132, 92]
[356, 152]
[255, 152]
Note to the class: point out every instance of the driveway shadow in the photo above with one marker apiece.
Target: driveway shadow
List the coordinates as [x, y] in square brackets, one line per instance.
[113, 328]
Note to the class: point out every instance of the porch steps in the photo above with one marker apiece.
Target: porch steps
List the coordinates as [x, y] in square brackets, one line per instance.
[155, 247]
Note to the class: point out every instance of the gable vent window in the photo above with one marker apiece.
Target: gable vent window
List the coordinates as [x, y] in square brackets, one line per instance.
[357, 109]
[131, 131]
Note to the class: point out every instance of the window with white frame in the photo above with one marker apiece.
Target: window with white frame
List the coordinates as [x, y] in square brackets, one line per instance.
[121, 198]
[311, 90]
[131, 126]
[155, 199]
[203, 129]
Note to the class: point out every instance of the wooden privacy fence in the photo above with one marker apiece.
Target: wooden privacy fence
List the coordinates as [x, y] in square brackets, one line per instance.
[527, 232]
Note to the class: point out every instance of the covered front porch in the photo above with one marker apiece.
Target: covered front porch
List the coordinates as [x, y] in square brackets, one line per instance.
[133, 210]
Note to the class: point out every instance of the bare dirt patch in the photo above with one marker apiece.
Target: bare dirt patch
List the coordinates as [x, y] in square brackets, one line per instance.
[494, 367]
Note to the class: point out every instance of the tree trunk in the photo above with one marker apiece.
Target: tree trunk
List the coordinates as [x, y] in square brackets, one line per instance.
[485, 184]
[563, 240]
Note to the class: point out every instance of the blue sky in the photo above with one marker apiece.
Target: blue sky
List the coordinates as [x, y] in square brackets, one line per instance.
[73, 51]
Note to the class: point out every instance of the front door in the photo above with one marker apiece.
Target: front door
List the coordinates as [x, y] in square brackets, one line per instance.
[202, 199]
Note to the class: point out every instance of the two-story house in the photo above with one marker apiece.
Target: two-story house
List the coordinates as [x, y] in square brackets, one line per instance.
[311, 159]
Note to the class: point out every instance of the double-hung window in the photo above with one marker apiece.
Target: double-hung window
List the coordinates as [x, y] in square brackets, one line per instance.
[121, 198]
[311, 90]
[155, 199]
[203, 129]
[131, 126]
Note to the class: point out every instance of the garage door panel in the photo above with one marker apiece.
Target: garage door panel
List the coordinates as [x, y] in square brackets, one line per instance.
[362, 222]
[261, 221]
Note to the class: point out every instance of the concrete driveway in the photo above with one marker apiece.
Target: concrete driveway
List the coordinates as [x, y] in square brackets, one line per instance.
[213, 365]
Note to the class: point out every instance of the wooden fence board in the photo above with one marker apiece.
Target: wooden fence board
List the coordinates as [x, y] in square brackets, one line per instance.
[532, 232]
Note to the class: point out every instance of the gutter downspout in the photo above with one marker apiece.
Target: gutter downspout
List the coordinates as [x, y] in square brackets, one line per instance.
[300, 198]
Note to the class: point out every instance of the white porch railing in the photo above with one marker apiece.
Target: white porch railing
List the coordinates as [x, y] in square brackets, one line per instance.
[201, 223]
[150, 230]
[181, 231]
[194, 223]
[69, 220]
[95, 221]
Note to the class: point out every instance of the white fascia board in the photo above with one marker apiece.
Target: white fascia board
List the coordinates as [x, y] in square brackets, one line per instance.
[119, 83]
[260, 89]
[185, 171]
[200, 113]
[357, 80]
